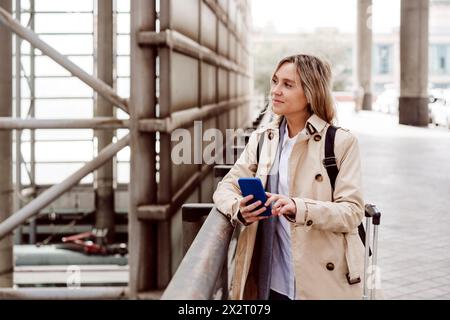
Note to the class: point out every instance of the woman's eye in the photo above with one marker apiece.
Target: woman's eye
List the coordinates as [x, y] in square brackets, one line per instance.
[288, 85]
[274, 81]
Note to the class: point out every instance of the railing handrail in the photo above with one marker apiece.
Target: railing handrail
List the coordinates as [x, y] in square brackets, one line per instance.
[7, 123]
[196, 277]
[201, 267]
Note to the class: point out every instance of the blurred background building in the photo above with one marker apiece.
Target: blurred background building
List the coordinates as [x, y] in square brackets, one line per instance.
[339, 47]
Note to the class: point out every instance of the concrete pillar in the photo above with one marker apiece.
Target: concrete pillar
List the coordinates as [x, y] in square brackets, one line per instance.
[6, 184]
[413, 102]
[364, 55]
[104, 192]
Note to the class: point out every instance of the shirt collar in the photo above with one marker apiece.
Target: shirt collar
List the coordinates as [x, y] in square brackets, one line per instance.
[286, 134]
[301, 135]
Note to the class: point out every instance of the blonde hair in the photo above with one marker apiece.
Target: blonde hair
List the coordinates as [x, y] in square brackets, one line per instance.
[315, 77]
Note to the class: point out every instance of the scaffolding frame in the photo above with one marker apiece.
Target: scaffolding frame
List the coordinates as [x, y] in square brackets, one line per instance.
[31, 209]
[153, 202]
[28, 166]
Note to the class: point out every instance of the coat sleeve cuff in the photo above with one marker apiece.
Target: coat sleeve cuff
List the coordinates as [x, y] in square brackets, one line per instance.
[301, 212]
[241, 219]
[236, 217]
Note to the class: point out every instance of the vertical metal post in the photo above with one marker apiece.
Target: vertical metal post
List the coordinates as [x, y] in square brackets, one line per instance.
[164, 197]
[217, 100]
[18, 133]
[364, 55]
[165, 168]
[33, 226]
[104, 192]
[200, 93]
[6, 184]
[142, 187]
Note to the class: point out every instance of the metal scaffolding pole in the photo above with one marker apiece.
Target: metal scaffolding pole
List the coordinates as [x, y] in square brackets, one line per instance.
[6, 184]
[95, 123]
[142, 235]
[18, 97]
[104, 192]
[106, 91]
[32, 112]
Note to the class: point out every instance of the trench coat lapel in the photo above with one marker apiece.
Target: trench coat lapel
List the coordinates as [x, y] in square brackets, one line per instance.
[266, 228]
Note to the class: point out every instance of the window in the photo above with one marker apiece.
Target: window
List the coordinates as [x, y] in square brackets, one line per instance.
[439, 59]
[383, 59]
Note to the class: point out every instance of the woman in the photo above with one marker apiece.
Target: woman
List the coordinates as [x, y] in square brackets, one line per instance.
[309, 248]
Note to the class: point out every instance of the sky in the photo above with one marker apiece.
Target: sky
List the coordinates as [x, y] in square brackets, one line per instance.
[290, 16]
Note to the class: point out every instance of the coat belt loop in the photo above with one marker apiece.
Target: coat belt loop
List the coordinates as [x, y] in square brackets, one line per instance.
[353, 275]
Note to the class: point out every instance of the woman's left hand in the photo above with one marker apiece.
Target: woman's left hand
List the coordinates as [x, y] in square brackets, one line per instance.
[281, 204]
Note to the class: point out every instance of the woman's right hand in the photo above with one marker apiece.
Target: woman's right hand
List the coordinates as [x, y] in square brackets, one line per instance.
[248, 212]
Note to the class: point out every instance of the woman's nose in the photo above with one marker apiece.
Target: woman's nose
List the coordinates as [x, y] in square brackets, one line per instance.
[276, 90]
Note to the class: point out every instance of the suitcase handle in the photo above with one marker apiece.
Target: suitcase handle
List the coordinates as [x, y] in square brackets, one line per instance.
[372, 211]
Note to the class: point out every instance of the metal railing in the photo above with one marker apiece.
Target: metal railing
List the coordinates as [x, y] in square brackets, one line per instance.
[198, 273]
[210, 247]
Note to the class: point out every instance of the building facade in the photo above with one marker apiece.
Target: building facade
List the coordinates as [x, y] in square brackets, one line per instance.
[340, 49]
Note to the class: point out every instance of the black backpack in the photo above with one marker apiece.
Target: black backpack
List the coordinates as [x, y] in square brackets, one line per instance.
[330, 164]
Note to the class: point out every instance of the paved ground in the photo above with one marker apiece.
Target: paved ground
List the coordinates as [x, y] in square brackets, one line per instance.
[406, 173]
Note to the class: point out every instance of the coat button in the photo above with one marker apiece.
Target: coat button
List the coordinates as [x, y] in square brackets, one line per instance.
[319, 177]
[330, 266]
[270, 135]
[309, 222]
[317, 137]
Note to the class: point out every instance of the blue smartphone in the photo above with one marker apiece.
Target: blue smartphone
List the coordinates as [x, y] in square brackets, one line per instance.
[255, 187]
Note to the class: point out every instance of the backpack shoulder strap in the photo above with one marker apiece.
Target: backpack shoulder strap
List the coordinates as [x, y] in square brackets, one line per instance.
[329, 161]
[259, 148]
[330, 164]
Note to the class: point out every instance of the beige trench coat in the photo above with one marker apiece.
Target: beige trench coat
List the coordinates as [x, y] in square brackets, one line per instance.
[326, 247]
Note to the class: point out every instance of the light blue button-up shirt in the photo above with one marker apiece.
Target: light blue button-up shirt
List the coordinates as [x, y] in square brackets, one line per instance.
[283, 276]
